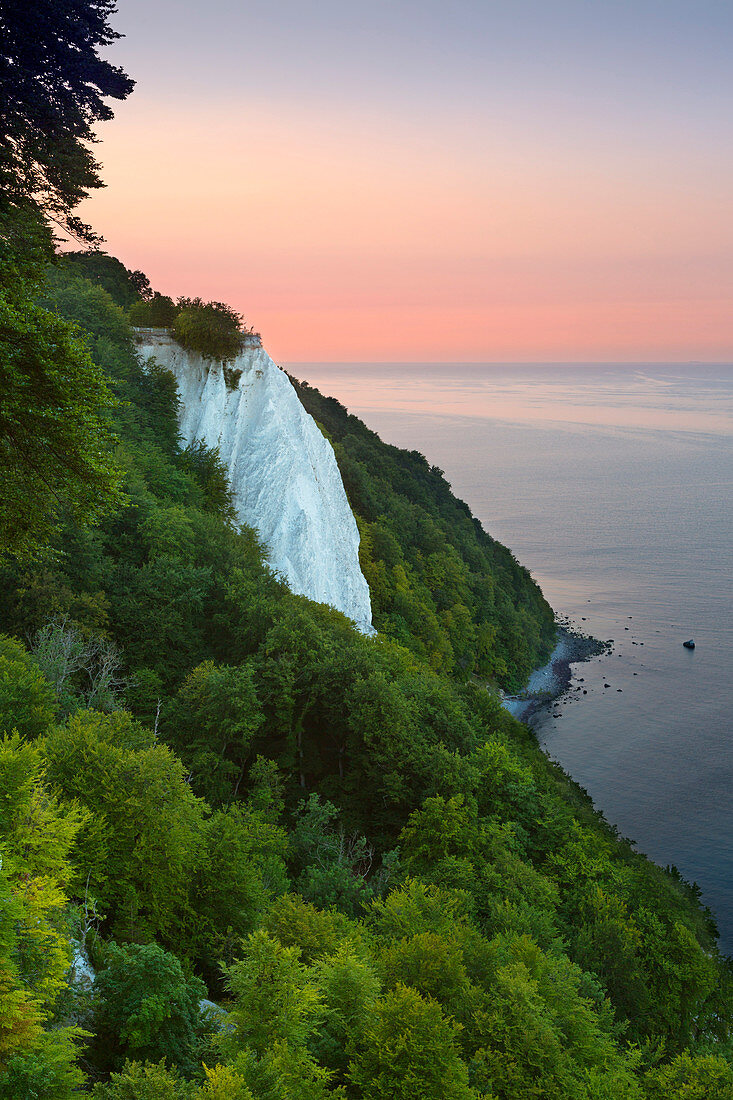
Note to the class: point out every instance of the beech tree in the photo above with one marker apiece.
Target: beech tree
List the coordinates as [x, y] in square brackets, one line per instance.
[56, 445]
[410, 1050]
[53, 92]
[55, 442]
[146, 1007]
[36, 835]
[213, 721]
[143, 845]
[210, 328]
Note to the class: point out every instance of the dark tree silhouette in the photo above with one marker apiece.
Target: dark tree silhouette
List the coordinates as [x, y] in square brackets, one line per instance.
[53, 87]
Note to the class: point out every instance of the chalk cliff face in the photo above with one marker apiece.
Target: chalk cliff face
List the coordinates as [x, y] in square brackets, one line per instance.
[283, 472]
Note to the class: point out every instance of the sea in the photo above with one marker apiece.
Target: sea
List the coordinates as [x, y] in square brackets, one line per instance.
[613, 485]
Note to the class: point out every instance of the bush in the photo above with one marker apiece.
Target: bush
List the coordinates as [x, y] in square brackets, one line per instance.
[210, 328]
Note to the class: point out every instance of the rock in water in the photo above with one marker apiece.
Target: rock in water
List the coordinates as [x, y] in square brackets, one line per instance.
[283, 472]
[689, 645]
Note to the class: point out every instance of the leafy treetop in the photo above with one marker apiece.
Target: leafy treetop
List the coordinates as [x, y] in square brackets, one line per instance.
[53, 87]
[213, 329]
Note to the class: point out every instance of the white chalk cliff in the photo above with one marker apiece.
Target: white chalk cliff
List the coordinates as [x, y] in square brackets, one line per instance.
[283, 472]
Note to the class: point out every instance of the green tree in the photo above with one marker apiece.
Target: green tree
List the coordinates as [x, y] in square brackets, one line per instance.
[349, 986]
[27, 702]
[56, 443]
[242, 866]
[206, 466]
[145, 1081]
[274, 996]
[431, 964]
[142, 844]
[55, 440]
[36, 835]
[53, 87]
[315, 933]
[691, 1077]
[213, 721]
[223, 1083]
[210, 328]
[145, 1008]
[409, 1049]
[334, 865]
[285, 1072]
[103, 270]
[159, 311]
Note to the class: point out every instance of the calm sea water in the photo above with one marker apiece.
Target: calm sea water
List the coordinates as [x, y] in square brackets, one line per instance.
[613, 484]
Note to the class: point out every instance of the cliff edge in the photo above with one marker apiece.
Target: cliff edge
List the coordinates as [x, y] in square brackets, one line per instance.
[283, 472]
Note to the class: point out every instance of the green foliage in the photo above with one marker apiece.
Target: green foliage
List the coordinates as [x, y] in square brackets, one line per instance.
[27, 700]
[274, 1012]
[285, 1072]
[211, 329]
[418, 907]
[334, 866]
[145, 1008]
[140, 848]
[241, 869]
[46, 1072]
[690, 1077]
[53, 87]
[275, 999]
[159, 311]
[204, 464]
[37, 829]
[315, 933]
[144, 1081]
[88, 304]
[213, 722]
[153, 1081]
[349, 986]
[56, 448]
[124, 287]
[537, 1034]
[439, 584]
[224, 1083]
[36, 835]
[409, 1050]
[56, 445]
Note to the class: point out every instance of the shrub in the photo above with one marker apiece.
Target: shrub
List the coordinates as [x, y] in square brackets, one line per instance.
[210, 328]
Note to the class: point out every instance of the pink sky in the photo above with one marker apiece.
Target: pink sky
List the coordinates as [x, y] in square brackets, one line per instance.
[442, 211]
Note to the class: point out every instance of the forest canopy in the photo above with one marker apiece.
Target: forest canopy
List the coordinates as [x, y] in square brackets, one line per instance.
[276, 843]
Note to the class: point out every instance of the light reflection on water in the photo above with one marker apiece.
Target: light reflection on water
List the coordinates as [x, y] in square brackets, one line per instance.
[613, 484]
[611, 396]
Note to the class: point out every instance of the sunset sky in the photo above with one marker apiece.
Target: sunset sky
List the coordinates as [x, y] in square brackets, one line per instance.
[514, 180]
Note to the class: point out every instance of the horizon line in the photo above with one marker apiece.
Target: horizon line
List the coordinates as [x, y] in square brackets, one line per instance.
[516, 362]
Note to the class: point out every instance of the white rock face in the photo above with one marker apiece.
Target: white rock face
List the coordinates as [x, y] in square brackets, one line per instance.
[81, 971]
[283, 472]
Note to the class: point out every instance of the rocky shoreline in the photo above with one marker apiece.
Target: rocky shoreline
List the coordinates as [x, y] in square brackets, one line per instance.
[552, 680]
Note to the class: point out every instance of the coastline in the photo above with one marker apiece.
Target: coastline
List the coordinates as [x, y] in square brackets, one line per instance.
[551, 680]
